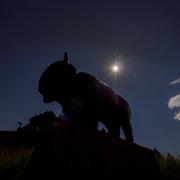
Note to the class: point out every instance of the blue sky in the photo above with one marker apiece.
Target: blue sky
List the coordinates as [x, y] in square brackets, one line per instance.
[142, 35]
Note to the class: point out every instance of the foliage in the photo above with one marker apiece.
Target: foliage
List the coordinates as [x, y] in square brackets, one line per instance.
[40, 122]
[169, 166]
[13, 160]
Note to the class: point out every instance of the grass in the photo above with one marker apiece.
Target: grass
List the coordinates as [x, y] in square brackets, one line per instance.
[169, 166]
[13, 160]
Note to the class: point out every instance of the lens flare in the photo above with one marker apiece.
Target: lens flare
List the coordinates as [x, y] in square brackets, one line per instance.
[115, 68]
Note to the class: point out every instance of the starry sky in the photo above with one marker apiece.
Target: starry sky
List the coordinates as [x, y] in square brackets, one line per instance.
[143, 36]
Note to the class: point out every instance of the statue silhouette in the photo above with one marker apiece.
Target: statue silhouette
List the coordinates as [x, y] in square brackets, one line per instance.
[84, 98]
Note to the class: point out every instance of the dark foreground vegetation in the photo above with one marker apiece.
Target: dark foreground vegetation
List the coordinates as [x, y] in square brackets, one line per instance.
[59, 149]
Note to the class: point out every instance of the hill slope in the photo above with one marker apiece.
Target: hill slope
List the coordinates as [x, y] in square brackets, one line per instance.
[70, 150]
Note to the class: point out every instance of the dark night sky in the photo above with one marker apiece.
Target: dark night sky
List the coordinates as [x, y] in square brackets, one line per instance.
[143, 35]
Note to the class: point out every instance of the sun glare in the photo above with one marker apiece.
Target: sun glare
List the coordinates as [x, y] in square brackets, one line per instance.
[115, 68]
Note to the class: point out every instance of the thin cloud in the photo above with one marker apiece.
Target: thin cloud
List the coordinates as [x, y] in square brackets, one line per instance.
[174, 102]
[177, 116]
[175, 82]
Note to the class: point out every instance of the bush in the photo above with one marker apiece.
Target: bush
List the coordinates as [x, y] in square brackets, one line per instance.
[169, 166]
[13, 160]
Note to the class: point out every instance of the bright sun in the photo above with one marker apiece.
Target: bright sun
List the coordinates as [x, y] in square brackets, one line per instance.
[115, 68]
